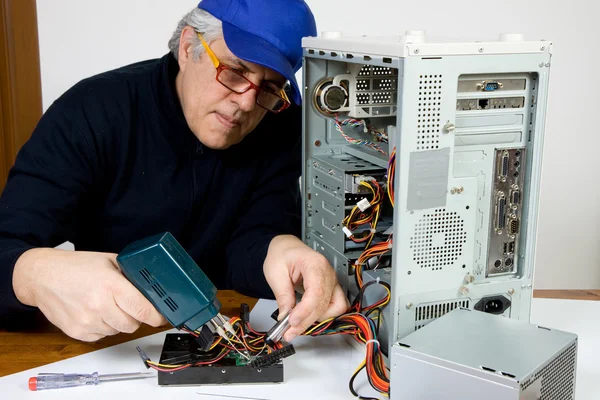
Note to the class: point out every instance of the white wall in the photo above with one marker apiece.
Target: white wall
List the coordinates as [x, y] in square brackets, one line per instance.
[79, 38]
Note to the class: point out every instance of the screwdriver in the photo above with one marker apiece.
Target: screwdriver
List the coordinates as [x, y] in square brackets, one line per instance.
[57, 381]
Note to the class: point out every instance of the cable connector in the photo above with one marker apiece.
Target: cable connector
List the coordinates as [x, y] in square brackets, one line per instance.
[273, 357]
[205, 338]
[245, 317]
[347, 231]
[363, 204]
[222, 333]
[143, 356]
[275, 315]
[226, 325]
[245, 313]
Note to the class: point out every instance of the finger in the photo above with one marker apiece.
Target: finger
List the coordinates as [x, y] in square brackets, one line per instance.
[59, 318]
[318, 291]
[121, 321]
[86, 336]
[133, 303]
[281, 284]
[105, 329]
[338, 305]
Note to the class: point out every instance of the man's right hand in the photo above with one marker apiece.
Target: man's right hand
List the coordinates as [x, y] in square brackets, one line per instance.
[82, 293]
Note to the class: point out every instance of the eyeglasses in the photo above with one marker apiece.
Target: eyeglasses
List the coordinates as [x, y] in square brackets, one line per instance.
[271, 99]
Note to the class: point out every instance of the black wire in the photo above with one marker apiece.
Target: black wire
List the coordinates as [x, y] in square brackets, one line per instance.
[368, 314]
[351, 385]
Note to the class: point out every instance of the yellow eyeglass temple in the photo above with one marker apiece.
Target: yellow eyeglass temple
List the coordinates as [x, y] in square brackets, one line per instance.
[212, 55]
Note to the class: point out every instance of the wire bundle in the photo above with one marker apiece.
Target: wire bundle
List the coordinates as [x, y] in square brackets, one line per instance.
[391, 171]
[246, 342]
[364, 331]
[361, 142]
[356, 217]
[377, 250]
[251, 344]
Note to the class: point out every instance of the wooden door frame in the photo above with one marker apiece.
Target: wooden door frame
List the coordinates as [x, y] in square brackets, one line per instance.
[20, 81]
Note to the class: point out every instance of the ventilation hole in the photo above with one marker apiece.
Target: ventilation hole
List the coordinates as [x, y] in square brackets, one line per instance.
[488, 369]
[424, 314]
[171, 304]
[376, 86]
[146, 275]
[430, 89]
[558, 376]
[159, 290]
[438, 239]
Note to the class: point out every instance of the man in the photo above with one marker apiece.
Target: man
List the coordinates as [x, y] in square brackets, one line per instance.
[202, 143]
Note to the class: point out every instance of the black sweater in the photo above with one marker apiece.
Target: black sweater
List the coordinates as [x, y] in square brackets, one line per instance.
[113, 161]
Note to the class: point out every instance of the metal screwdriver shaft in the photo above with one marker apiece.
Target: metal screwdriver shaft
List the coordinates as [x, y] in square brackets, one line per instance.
[58, 381]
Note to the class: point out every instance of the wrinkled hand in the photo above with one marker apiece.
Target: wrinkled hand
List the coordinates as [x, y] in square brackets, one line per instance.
[289, 263]
[82, 293]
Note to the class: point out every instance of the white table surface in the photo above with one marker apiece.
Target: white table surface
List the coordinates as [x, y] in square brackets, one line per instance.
[320, 369]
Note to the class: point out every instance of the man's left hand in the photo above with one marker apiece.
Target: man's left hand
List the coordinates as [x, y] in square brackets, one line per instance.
[291, 263]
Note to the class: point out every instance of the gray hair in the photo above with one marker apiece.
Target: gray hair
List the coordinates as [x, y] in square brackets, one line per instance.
[201, 21]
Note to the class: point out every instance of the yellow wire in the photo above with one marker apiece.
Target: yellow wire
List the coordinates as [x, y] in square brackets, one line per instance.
[317, 326]
[165, 365]
[362, 364]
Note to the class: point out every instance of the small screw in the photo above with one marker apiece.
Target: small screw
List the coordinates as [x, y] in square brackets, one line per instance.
[464, 290]
[547, 64]
[523, 287]
[481, 49]
[259, 370]
[469, 278]
[453, 191]
[460, 189]
[409, 306]
[529, 286]
[416, 51]
[543, 48]
[541, 64]
[449, 127]
[511, 291]
[222, 371]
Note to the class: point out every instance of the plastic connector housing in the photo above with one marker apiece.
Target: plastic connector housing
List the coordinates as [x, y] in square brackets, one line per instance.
[143, 356]
[274, 357]
[205, 338]
[170, 279]
[245, 313]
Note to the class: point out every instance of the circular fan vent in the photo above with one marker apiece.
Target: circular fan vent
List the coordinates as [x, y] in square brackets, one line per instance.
[438, 239]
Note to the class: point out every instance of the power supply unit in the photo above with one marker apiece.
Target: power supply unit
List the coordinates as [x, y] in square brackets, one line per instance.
[472, 355]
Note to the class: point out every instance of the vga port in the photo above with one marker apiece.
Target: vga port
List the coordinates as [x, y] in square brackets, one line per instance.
[513, 227]
[515, 197]
[490, 86]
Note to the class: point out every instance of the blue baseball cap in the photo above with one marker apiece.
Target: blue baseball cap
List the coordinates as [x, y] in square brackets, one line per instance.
[266, 32]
